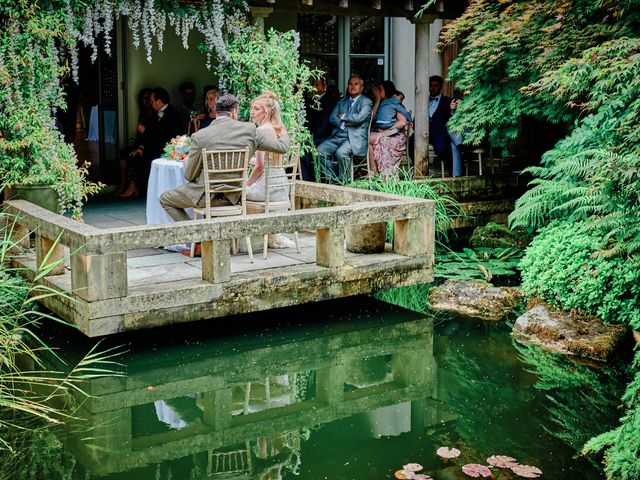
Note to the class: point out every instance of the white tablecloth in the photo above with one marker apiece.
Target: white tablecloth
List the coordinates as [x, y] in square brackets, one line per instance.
[109, 125]
[165, 175]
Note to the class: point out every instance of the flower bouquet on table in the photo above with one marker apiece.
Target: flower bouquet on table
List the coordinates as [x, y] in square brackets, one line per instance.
[178, 148]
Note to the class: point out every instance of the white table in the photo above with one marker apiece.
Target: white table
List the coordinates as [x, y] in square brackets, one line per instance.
[165, 175]
[109, 125]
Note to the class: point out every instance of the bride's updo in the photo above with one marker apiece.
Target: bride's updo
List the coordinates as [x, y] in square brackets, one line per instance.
[271, 106]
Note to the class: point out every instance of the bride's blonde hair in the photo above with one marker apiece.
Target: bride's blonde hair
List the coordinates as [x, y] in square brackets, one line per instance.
[269, 102]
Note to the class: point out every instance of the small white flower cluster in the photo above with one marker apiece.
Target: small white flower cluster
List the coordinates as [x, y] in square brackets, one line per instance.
[215, 19]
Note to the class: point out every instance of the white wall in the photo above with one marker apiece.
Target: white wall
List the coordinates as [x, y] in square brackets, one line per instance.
[403, 47]
[168, 69]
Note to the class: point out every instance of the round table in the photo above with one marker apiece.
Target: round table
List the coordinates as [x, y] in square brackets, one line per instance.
[165, 175]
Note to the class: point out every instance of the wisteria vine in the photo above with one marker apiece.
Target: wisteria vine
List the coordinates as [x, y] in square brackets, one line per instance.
[92, 25]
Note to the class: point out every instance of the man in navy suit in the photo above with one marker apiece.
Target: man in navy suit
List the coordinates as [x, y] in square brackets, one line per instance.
[158, 133]
[439, 115]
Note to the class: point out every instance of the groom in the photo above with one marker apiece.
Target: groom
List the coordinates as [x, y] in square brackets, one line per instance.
[224, 133]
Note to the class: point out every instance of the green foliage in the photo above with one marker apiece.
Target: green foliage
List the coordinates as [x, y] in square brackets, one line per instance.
[37, 454]
[30, 393]
[413, 297]
[574, 62]
[259, 62]
[621, 446]
[594, 174]
[575, 394]
[32, 151]
[447, 208]
[507, 46]
[493, 235]
[562, 267]
[477, 264]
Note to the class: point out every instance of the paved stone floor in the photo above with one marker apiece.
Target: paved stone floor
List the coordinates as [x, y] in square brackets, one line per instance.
[110, 213]
[146, 266]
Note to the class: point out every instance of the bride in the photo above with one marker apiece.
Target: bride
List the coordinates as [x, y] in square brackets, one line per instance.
[265, 111]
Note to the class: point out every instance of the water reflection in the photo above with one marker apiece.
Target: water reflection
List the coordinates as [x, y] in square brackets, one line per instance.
[341, 390]
[226, 409]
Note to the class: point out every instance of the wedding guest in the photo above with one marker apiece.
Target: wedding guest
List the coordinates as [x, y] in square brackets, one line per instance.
[127, 182]
[439, 114]
[350, 120]
[164, 126]
[457, 141]
[265, 111]
[205, 118]
[318, 110]
[189, 106]
[387, 142]
[226, 132]
[439, 111]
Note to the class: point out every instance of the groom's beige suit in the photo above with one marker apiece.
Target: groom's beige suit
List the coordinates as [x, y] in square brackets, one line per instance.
[224, 133]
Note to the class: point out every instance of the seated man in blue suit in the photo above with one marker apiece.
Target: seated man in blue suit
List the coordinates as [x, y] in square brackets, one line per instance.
[350, 121]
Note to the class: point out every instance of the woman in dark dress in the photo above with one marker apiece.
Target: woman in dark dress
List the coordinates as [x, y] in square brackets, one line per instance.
[127, 183]
[204, 119]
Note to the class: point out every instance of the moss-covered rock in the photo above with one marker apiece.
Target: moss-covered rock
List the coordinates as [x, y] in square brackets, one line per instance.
[577, 335]
[474, 298]
[493, 235]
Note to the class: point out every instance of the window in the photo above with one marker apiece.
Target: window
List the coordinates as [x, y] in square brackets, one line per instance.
[344, 45]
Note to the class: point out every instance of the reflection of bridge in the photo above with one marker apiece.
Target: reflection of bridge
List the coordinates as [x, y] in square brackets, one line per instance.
[107, 290]
[322, 379]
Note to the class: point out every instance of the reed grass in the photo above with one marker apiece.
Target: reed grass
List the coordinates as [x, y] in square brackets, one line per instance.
[32, 395]
[447, 208]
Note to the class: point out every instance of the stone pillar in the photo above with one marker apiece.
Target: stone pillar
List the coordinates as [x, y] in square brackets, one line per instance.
[98, 277]
[330, 384]
[330, 247]
[421, 117]
[216, 261]
[259, 14]
[45, 246]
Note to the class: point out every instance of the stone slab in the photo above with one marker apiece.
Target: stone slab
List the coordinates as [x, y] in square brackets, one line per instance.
[580, 336]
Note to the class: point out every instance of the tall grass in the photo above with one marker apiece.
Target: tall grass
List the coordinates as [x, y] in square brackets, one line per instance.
[31, 395]
[447, 208]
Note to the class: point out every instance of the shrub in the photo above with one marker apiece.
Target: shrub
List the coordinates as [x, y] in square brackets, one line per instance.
[562, 267]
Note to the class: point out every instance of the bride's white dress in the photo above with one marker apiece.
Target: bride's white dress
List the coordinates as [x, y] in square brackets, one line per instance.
[256, 191]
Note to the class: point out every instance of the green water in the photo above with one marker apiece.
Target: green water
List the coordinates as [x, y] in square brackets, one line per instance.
[348, 389]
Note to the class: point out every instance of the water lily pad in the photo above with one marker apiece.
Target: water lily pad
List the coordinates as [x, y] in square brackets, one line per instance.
[446, 452]
[526, 471]
[413, 467]
[476, 470]
[501, 461]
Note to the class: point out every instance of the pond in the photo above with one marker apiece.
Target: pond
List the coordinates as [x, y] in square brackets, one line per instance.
[349, 389]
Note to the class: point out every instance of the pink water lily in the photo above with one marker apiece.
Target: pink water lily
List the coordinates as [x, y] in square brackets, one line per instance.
[446, 452]
[412, 467]
[501, 461]
[421, 476]
[526, 471]
[476, 470]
